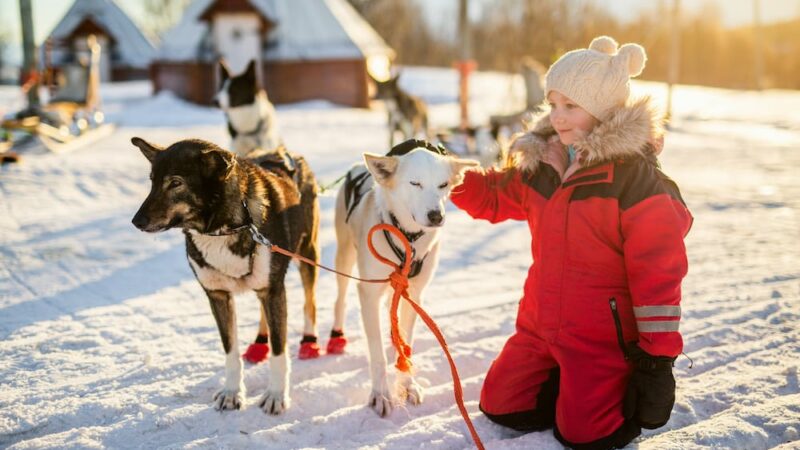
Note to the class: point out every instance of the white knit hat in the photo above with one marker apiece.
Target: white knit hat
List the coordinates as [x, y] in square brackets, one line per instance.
[597, 78]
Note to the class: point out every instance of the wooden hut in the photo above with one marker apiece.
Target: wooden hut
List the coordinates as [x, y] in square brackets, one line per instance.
[305, 49]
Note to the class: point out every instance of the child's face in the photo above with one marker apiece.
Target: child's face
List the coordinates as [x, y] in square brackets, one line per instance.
[570, 121]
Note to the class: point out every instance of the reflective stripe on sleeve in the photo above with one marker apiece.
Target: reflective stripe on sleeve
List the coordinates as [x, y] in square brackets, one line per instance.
[656, 311]
[658, 326]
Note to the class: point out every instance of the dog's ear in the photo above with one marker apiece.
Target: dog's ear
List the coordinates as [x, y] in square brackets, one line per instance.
[223, 72]
[382, 168]
[458, 166]
[250, 72]
[219, 161]
[148, 150]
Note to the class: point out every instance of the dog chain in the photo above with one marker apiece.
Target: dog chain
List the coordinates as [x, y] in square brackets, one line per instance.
[258, 237]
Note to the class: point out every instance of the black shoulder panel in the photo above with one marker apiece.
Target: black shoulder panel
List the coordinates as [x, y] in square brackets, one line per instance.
[545, 181]
[639, 179]
[635, 179]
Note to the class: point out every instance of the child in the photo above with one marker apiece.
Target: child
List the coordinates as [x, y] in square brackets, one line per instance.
[597, 327]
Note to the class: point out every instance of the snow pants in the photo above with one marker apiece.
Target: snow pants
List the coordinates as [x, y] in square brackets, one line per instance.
[575, 384]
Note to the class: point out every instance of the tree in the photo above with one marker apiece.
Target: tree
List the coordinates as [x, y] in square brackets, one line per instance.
[4, 42]
[401, 23]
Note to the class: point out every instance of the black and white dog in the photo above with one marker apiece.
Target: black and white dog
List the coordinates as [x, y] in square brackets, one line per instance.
[251, 116]
[224, 205]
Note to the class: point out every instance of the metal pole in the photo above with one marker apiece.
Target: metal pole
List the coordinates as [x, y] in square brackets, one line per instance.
[673, 72]
[29, 53]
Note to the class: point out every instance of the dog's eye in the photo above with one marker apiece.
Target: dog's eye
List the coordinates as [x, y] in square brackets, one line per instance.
[443, 185]
[417, 184]
[174, 183]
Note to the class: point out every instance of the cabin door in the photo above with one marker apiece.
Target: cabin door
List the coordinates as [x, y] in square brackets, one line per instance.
[237, 38]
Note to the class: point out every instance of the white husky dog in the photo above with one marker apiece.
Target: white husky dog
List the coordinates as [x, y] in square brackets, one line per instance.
[407, 188]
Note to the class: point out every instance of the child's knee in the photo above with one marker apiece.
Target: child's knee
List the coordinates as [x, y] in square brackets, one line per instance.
[528, 408]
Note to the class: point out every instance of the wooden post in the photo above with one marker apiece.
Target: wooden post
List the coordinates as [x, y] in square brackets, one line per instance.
[29, 69]
[673, 71]
[758, 46]
[465, 65]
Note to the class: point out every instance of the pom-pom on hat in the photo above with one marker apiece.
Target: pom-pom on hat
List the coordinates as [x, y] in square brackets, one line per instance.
[597, 78]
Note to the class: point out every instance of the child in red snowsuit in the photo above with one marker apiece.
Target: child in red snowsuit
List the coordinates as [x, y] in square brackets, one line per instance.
[597, 328]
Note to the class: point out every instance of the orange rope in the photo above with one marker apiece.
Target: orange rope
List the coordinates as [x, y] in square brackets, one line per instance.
[399, 282]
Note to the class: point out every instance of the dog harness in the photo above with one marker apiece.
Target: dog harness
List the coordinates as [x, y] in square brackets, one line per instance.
[279, 159]
[416, 264]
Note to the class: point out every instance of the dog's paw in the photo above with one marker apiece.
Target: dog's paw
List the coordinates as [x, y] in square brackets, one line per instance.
[274, 402]
[336, 345]
[226, 399]
[256, 353]
[381, 402]
[412, 392]
[309, 349]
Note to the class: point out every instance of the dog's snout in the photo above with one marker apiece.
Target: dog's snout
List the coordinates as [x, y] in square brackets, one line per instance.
[139, 221]
[435, 217]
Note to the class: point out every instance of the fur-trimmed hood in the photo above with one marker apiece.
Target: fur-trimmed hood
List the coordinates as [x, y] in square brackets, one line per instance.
[629, 131]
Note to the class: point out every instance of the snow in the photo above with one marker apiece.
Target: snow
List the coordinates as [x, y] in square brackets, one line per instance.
[107, 340]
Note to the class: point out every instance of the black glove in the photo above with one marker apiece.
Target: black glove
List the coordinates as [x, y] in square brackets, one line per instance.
[651, 389]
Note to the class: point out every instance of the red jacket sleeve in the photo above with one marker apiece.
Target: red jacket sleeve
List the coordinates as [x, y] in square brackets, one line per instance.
[655, 259]
[488, 195]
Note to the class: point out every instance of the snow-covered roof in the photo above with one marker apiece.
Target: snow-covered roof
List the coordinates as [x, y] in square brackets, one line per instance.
[133, 48]
[303, 30]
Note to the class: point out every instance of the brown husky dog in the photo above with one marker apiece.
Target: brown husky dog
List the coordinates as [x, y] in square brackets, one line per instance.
[224, 204]
[407, 114]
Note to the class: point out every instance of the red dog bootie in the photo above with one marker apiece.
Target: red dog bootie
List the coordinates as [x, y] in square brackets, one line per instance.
[256, 353]
[336, 343]
[309, 349]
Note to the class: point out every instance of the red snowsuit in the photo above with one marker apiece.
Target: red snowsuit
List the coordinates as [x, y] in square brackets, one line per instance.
[614, 229]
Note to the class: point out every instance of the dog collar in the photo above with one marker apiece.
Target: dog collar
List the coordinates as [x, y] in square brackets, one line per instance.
[410, 236]
[227, 232]
[231, 231]
[416, 264]
[254, 233]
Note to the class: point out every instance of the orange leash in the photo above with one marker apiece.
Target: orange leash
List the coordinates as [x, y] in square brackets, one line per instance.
[399, 282]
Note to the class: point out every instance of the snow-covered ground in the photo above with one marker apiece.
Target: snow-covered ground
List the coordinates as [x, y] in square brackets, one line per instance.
[106, 339]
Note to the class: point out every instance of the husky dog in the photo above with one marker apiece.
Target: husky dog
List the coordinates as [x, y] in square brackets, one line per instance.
[407, 114]
[407, 188]
[224, 204]
[251, 116]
